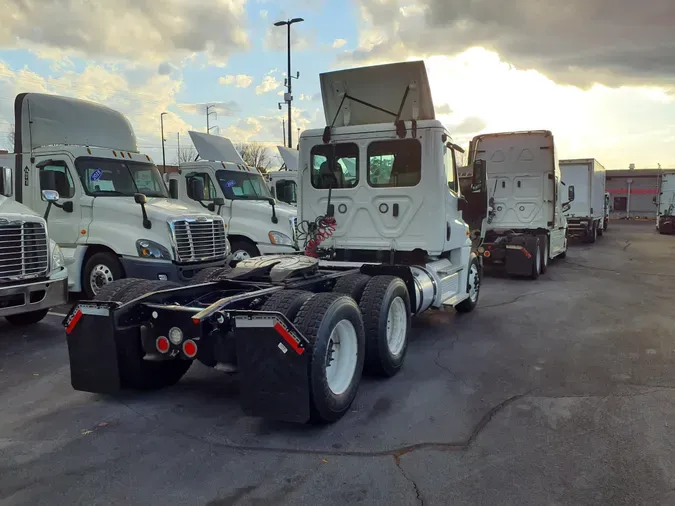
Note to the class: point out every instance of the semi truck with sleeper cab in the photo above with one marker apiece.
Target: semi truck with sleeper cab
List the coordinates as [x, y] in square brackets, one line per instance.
[382, 243]
[33, 276]
[585, 184]
[665, 203]
[283, 183]
[526, 226]
[114, 218]
[222, 183]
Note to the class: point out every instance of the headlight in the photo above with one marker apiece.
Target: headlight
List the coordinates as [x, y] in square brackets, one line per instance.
[228, 247]
[56, 255]
[150, 249]
[280, 239]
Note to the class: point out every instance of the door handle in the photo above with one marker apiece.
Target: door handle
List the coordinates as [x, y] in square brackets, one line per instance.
[395, 210]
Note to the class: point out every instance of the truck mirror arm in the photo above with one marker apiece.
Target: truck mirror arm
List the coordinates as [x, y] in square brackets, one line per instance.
[275, 220]
[141, 200]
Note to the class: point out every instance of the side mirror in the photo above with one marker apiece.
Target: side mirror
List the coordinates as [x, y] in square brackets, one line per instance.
[462, 204]
[570, 193]
[196, 187]
[218, 201]
[50, 195]
[454, 147]
[6, 182]
[452, 185]
[140, 198]
[566, 207]
[173, 188]
[479, 179]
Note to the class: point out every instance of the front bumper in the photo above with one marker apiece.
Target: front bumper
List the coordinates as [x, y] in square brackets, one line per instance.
[34, 295]
[165, 270]
[275, 249]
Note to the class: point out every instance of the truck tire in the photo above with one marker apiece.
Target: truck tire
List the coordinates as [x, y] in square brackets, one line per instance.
[385, 305]
[287, 302]
[473, 287]
[605, 225]
[210, 275]
[543, 241]
[600, 230]
[101, 269]
[352, 285]
[111, 291]
[243, 249]
[536, 258]
[333, 325]
[592, 235]
[29, 318]
[136, 373]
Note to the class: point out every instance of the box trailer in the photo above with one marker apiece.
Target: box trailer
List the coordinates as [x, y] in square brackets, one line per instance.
[665, 204]
[585, 182]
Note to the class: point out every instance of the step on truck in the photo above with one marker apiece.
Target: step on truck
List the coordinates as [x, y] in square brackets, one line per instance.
[114, 218]
[283, 183]
[665, 203]
[222, 183]
[585, 183]
[526, 226]
[33, 276]
[385, 244]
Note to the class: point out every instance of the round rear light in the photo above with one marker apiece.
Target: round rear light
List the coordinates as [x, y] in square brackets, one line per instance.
[190, 348]
[487, 254]
[162, 344]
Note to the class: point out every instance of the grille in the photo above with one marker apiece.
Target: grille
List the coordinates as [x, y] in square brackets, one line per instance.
[199, 240]
[24, 251]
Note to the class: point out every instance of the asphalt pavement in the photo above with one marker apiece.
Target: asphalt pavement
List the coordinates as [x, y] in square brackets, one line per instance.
[555, 391]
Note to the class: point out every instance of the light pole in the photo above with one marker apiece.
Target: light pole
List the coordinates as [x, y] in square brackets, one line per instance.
[161, 121]
[288, 98]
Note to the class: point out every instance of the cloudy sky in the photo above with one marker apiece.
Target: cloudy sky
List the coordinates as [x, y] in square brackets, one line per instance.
[599, 73]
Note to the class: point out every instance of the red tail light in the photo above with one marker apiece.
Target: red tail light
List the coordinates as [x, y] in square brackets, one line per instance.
[190, 348]
[162, 344]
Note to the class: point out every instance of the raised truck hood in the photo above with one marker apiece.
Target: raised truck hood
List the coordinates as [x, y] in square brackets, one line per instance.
[290, 157]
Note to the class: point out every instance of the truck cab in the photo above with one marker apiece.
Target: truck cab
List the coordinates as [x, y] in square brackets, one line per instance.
[222, 183]
[114, 218]
[33, 276]
[283, 183]
[388, 180]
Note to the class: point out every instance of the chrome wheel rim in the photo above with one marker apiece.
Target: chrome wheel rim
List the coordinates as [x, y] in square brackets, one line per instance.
[474, 283]
[100, 276]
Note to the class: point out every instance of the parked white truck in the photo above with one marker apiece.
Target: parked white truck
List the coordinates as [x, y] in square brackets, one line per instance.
[526, 227]
[33, 276]
[283, 183]
[665, 203]
[585, 182]
[391, 243]
[114, 218]
[222, 183]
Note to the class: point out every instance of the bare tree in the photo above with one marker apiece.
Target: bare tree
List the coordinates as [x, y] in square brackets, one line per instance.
[255, 155]
[185, 155]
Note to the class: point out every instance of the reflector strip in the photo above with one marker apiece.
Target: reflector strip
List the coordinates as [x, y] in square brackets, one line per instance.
[73, 322]
[289, 338]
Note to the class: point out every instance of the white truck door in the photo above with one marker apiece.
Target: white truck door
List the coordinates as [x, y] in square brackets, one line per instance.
[64, 222]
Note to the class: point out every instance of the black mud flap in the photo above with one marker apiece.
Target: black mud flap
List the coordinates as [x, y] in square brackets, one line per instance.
[273, 359]
[520, 257]
[90, 332]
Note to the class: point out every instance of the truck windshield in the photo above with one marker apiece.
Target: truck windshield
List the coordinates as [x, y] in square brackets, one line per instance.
[103, 177]
[242, 185]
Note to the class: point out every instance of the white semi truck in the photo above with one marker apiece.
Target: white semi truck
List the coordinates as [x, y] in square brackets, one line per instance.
[222, 183]
[585, 182]
[526, 227]
[283, 183]
[383, 242]
[33, 276]
[665, 203]
[114, 218]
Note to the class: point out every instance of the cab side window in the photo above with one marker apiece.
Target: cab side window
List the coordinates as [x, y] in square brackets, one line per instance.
[209, 189]
[57, 177]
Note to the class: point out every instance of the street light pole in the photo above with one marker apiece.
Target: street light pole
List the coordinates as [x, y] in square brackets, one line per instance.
[161, 121]
[289, 77]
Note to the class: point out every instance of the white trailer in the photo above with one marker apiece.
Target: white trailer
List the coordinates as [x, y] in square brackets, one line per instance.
[114, 218]
[526, 226]
[389, 230]
[33, 275]
[585, 182]
[222, 183]
[665, 204]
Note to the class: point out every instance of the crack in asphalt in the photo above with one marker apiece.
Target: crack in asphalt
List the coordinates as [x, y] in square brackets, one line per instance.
[397, 461]
[397, 453]
[521, 296]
